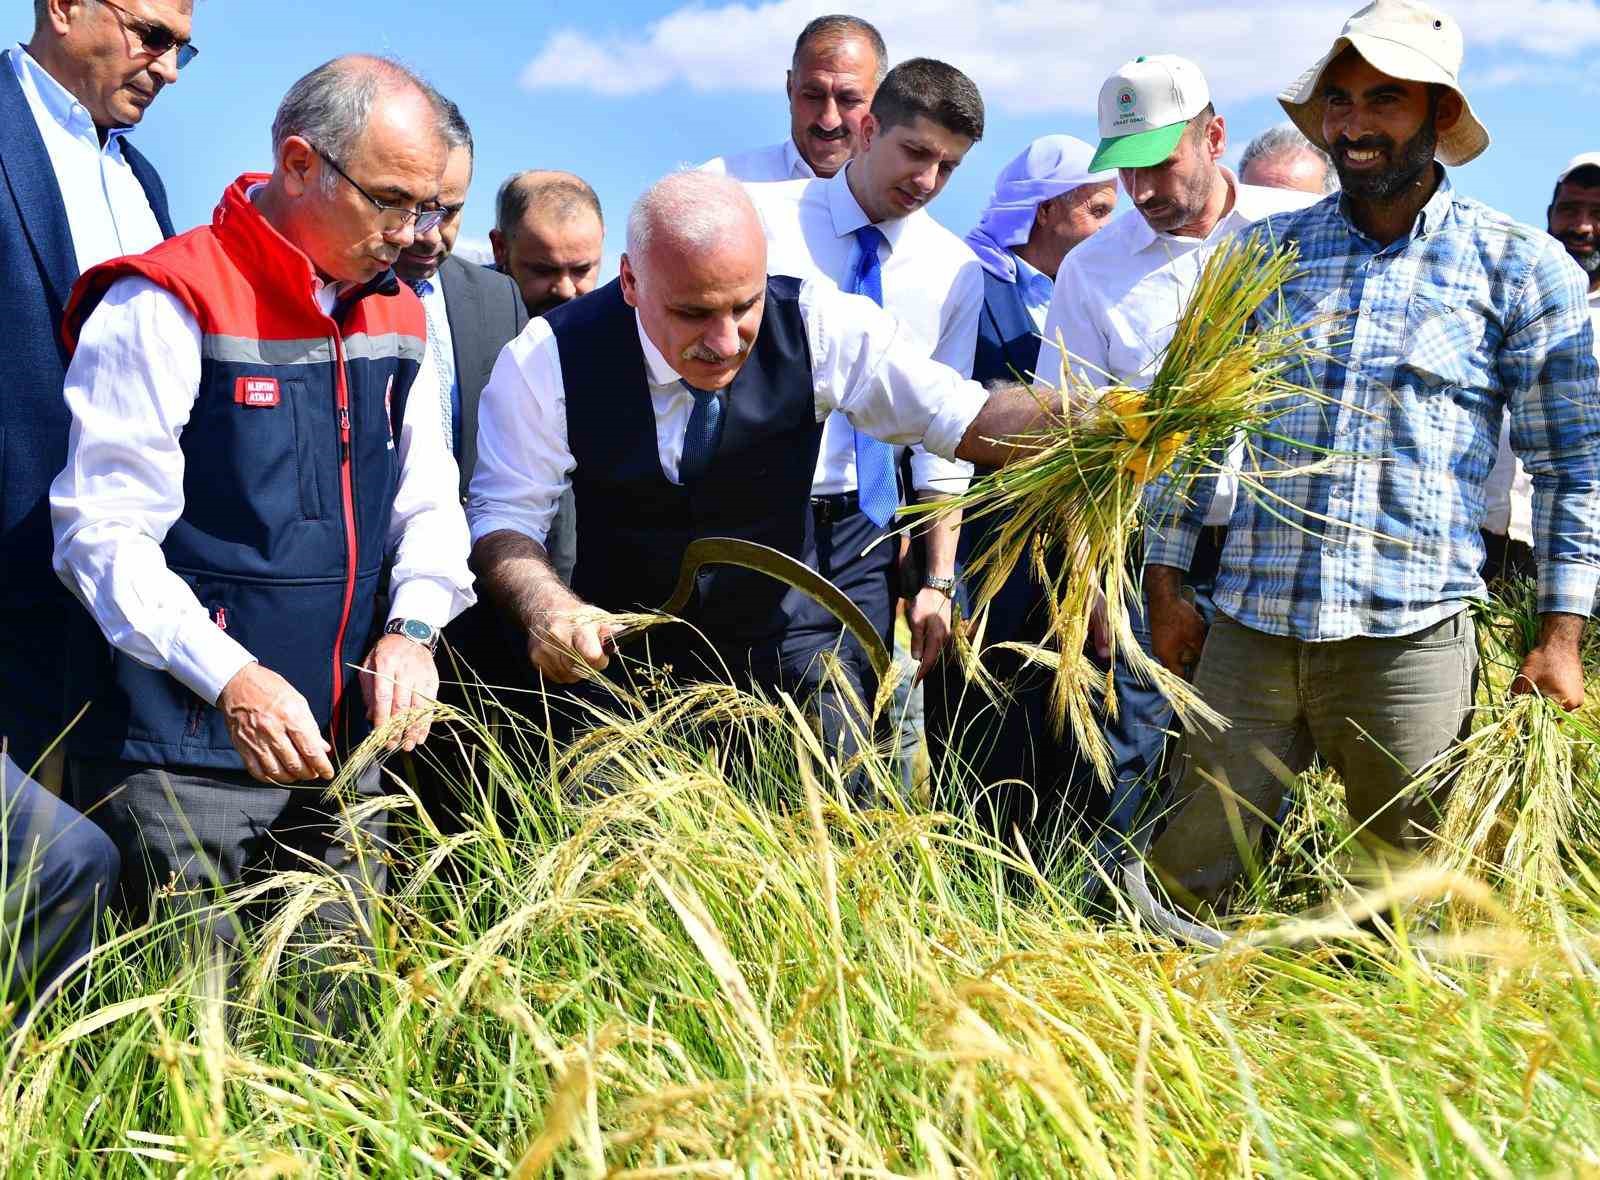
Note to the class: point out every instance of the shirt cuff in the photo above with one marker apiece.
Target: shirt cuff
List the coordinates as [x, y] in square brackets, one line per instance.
[205, 657]
[481, 524]
[1170, 542]
[955, 415]
[426, 600]
[1567, 587]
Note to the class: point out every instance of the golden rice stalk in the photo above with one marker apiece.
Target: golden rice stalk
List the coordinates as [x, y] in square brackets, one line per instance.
[1095, 473]
[1520, 802]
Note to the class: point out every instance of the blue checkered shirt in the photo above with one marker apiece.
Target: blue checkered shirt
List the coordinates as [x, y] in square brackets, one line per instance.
[1427, 342]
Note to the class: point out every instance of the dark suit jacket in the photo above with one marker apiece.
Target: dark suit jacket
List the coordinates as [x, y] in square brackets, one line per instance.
[40, 267]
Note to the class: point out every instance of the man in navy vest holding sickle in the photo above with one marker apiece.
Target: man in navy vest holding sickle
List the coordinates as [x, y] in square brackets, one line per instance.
[686, 399]
[256, 440]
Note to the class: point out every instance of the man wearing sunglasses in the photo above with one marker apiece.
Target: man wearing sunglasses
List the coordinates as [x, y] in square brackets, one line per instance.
[73, 193]
[257, 445]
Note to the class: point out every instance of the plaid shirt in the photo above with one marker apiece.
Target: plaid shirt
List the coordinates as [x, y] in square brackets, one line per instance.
[1425, 342]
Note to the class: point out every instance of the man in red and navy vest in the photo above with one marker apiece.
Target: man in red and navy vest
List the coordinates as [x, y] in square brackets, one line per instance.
[256, 443]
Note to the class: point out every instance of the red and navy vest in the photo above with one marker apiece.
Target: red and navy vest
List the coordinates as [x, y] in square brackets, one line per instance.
[290, 473]
[634, 523]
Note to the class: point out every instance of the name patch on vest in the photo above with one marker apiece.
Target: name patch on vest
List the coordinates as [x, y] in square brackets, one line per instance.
[258, 392]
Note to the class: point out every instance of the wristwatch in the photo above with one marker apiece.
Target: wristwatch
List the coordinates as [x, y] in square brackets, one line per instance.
[415, 630]
[945, 586]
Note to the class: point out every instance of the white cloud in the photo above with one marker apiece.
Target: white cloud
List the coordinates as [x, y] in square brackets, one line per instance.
[1038, 55]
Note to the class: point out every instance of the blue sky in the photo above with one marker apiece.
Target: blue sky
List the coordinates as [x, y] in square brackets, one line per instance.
[621, 92]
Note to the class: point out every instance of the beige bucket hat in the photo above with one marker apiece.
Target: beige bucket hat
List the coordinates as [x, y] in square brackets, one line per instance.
[1404, 39]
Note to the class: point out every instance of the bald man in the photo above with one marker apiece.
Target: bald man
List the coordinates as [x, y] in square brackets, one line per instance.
[548, 235]
[706, 384]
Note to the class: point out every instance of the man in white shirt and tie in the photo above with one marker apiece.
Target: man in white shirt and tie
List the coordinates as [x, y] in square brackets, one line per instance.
[75, 193]
[837, 65]
[687, 399]
[867, 230]
[1119, 295]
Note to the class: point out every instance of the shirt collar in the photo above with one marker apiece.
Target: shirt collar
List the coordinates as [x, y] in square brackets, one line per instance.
[1144, 237]
[1430, 217]
[58, 102]
[796, 165]
[848, 215]
[656, 369]
[1031, 278]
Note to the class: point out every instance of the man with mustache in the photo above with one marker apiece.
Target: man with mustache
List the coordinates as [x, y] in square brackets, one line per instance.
[867, 230]
[257, 447]
[1116, 301]
[75, 192]
[548, 236]
[1344, 631]
[705, 385]
[838, 64]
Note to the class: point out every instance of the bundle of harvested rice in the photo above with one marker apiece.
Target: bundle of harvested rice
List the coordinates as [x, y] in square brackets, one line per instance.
[1111, 456]
[1519, 799]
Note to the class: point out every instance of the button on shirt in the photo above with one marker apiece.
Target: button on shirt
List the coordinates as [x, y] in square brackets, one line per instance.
[932, 284]
[131, 387]
[1426, 343]
[863, 364]
[1119, 296]
[107, 211]
[780, 161]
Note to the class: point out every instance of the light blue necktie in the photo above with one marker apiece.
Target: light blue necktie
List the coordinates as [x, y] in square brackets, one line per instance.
[449, 387]
[701, 435]
[876, 486]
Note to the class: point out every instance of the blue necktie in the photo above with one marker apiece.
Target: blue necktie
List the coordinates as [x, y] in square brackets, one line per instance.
[701, 435]
[876, 487]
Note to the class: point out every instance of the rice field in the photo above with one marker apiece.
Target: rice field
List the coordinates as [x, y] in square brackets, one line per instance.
[677, 949]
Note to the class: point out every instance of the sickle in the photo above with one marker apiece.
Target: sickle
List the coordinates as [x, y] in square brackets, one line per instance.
[780, 567]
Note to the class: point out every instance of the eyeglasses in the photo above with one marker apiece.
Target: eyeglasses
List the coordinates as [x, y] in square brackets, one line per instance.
[393, 218]
[157, 39]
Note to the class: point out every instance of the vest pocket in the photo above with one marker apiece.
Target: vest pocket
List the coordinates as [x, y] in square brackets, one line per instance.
[305, 449]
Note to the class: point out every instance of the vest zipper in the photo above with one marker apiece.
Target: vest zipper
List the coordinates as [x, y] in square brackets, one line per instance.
[347, 497]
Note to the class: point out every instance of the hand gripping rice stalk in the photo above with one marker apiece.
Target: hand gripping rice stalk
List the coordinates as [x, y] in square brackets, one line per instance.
[1071, 507]
[1519, 800]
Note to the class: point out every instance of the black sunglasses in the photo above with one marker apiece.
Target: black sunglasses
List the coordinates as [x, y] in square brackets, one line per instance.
[157, 40]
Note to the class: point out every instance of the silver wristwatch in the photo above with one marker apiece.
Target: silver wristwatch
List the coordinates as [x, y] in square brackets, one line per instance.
[945, 586]
[415, 630]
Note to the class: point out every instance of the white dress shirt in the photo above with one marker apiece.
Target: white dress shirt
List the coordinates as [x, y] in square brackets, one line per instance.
[1508, 496]
[131, 387]
[932, 284]
[863, 364]
[779, 161]
[1120, 294]
[107, 211]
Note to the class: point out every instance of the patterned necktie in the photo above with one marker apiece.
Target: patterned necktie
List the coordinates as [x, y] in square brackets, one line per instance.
[876, 487]
[444, 367]
[701, 435]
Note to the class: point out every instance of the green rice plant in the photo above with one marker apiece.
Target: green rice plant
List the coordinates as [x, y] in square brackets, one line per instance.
[677, 948]
[1089, 482]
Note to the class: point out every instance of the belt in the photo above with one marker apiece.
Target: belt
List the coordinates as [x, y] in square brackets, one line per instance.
[828, 509]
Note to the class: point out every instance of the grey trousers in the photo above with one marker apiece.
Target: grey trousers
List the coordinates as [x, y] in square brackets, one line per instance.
[186, 835]
[1376, 710]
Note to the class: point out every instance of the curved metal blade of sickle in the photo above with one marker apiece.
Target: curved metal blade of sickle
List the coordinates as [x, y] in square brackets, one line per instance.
[782, 568]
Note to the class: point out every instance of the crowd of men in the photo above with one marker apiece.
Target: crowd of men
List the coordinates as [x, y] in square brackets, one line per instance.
[254, 473]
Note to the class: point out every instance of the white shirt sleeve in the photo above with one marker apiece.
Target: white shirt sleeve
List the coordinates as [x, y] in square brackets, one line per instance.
[130, 389]
[524, 462]
[882, 380]
[429, 576]
[1070, 323]
[958, 341]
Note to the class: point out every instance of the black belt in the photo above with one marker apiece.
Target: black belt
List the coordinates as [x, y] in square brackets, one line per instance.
[828, 509]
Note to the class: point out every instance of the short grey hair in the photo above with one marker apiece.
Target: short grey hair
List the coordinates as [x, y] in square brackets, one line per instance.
[839, 27]
[558, 195]
[453, 124]
[693, 210]
[1285, 138]
[41, 12]
[331, 106]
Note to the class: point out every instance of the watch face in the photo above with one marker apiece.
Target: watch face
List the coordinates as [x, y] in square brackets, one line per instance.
[418, 630]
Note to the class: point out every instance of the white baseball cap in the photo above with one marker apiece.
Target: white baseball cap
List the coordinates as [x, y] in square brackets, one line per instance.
[1404, 39]
[1144, 108]
[1582, 160]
